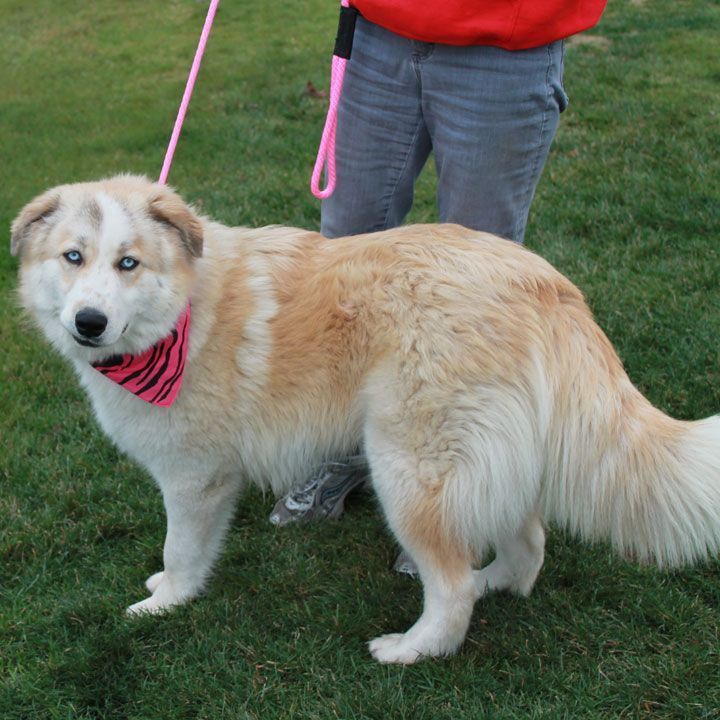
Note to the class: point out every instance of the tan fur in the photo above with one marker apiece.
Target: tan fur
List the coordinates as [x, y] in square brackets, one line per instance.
[425, 526]
[486, 397]
[169, 208]
[33, 212]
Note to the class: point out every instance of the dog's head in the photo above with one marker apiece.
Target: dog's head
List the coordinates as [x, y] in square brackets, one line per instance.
[106, 267]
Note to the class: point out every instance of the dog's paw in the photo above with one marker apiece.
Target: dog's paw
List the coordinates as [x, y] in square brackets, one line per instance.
[144, 607]
[394, 648]
[149, 606]
[154, 581]
[168, 590]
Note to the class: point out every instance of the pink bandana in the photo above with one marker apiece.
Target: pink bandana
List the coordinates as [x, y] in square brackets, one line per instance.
[157, 374]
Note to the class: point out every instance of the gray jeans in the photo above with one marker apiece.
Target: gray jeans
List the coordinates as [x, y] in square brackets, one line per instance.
[488, 116]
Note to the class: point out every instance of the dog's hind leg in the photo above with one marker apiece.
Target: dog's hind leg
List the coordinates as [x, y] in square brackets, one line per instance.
[517, 561]
[414, 513]
[198, 513]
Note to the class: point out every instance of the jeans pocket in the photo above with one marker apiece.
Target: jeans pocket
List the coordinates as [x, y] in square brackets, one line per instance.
[555, 76]
[558, 92]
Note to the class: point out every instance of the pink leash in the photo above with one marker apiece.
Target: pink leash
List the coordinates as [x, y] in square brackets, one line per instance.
[326, 151]
[188, 91]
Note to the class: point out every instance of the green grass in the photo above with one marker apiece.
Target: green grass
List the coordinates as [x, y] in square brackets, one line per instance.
[628, 208]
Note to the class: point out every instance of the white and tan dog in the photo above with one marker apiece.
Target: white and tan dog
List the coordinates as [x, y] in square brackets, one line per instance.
[485, 396]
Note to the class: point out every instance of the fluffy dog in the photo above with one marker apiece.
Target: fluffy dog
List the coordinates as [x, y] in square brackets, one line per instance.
[485, 396]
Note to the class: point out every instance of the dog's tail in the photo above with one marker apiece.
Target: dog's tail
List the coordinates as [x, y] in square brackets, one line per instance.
[622, 470]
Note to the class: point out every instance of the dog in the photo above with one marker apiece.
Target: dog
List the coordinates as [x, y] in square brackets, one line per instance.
[487, 400]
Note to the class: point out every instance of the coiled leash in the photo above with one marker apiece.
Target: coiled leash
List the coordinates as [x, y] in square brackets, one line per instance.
[341, 54]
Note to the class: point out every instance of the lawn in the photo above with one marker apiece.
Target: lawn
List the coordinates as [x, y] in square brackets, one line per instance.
[629, 208]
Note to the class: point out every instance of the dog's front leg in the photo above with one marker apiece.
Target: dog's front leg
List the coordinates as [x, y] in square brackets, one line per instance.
[198, 513]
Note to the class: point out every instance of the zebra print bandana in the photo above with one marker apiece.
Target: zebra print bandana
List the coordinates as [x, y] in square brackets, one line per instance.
[156, 375]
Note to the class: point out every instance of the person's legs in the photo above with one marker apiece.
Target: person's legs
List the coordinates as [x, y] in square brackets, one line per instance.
[382, 142]
[492, 115]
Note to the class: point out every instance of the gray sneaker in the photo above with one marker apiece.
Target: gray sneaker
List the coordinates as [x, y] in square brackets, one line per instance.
[323, 495]
[406, 565]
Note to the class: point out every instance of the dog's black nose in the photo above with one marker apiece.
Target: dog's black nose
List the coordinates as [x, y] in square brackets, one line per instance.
[90, 323]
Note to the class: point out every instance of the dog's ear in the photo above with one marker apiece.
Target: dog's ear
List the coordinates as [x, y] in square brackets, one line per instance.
[38, 209]
[167, 207]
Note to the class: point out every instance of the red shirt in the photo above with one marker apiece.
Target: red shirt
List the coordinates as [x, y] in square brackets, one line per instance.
[510, 24]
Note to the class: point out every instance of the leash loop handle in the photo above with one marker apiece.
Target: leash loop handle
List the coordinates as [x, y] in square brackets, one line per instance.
[326, 150]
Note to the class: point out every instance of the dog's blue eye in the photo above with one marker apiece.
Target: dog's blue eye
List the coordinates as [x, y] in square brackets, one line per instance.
[128, 263]
[73, 257]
